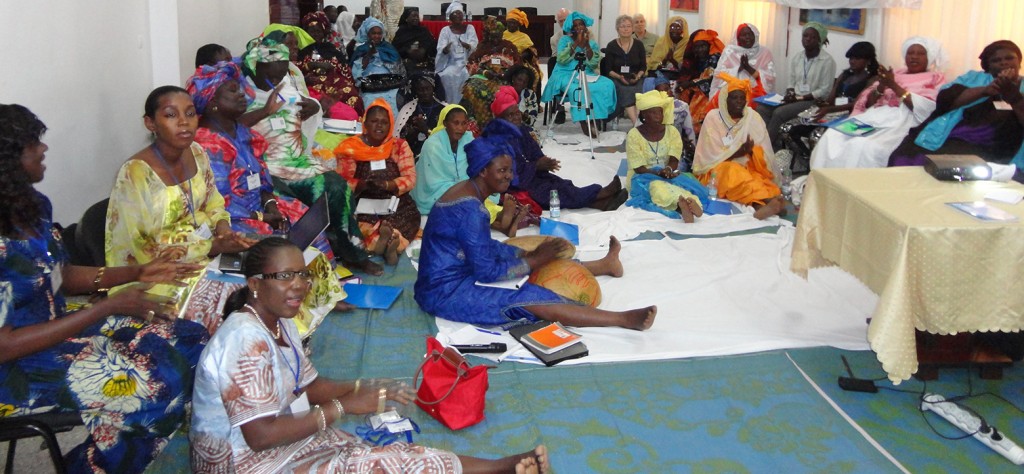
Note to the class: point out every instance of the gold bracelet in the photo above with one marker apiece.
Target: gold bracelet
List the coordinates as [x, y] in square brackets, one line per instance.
[96, 280]
[341, 409]
[904, 96]
[321, 420]
[259, 216]
[382, 397]
[356, 390]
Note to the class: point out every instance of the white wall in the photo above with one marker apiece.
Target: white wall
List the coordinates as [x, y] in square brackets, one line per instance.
[839, 42]
[86, 73]
[476, 7]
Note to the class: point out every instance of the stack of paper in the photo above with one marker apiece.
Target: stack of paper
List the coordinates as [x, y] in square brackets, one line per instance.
[380, 207]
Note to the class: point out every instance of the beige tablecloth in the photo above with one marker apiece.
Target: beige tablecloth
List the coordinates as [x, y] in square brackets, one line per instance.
[934, 268]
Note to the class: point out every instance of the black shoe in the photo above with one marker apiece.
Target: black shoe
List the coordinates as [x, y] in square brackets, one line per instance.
[560, 117]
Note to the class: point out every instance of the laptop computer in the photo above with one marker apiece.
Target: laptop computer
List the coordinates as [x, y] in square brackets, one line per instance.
[302, 234]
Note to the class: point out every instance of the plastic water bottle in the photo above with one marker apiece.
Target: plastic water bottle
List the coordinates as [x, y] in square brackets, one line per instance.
[785, 184]
[555, 205]
[713, 187]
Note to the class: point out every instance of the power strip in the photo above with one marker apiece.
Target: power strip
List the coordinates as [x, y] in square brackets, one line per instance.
[972, 425]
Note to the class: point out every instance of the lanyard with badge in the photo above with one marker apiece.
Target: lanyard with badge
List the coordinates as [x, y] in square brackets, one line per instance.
[727, 138]
[301, 403]
[252, 179]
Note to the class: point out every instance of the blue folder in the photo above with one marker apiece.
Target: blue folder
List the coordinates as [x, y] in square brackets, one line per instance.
[565, 230]
[717, 206]
[371, 296]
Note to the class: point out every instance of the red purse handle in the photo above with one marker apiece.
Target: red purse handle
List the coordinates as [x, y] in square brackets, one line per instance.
[450, 356]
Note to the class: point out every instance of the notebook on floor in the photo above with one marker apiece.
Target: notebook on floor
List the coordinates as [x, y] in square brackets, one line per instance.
[574, 351]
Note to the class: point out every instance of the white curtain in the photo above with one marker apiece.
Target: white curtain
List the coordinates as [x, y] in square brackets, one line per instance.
[768, 17]
[649, 9]
[963, 26]
[850, 3]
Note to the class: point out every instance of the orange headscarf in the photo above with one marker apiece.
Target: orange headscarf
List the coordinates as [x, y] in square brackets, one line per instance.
[356, 149]
[711, 36]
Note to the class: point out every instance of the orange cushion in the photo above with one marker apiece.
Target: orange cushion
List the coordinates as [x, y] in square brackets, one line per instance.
[569, 279]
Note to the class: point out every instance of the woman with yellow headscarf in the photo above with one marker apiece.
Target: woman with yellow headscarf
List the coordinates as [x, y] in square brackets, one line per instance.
[516, 21]
[668, 51]
[731, 152]
[653, 150]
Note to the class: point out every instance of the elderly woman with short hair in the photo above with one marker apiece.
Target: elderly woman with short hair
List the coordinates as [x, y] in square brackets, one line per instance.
[624, 63]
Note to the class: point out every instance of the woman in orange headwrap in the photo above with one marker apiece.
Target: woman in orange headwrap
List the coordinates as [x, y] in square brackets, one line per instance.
[696, 72]
[731, 151]
[379, 166]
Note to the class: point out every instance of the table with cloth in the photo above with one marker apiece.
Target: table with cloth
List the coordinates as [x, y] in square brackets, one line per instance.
[934, 268]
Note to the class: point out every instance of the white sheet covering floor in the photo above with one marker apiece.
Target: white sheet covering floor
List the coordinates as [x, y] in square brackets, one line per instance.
[715, 296]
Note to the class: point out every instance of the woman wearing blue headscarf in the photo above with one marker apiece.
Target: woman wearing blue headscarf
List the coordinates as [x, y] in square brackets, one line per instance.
[376, 65]
[458, 251]
[602, 90]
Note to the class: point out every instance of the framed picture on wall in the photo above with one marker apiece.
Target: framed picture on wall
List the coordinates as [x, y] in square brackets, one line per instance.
[684, 5]
[847, 20]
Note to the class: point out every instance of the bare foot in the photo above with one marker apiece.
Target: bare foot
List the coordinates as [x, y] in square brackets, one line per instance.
[640, 319]
[391, 252]
[695, 207]
[366, 266]
[611, 260]
[344, 307]
[536, 461]
[773, 207]
[384, 234]
[684, 209]
[610, 190]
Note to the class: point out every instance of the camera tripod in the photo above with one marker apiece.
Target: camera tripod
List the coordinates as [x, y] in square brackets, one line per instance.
[582, 99]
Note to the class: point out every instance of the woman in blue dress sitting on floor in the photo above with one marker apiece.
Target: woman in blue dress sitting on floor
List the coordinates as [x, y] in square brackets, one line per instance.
[458, 251]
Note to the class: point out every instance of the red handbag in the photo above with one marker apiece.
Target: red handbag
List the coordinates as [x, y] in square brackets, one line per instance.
[452, 392]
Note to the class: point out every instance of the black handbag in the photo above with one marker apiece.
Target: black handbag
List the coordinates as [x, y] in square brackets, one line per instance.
[381, 82]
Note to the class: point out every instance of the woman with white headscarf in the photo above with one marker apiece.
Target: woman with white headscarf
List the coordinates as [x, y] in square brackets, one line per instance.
[455, 43]
[746, 58]
[897, 101]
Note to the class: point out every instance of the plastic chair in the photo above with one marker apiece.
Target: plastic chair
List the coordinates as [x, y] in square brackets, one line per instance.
[529, 11]
[89, 237]
[46, 425]
[495, 11]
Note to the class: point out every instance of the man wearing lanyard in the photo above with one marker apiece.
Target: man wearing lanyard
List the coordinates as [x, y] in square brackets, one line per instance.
[812, 72]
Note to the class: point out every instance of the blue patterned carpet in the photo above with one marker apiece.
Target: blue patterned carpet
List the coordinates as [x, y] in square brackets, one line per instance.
[752, 413]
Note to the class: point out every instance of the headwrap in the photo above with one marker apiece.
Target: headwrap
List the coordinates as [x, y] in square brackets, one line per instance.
[518, 15]
[567, 26]
[652, 99]
[652, 83]
[266, 49]
[405, 15]
[316, 19]
[452, 8]
[301, 37]
[711, 36]
[936, 55]
[665, 44]
[483, 150]
[503, 99]
[731, 84]
[363, 35]
[426, 75]
[203, 85]
[493, 28]
[753, 50]
[356, 149]
[822, 31]
[444, 115]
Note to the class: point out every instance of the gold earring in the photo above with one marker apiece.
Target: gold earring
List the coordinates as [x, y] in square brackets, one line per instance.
[255, 294]
[213, 109]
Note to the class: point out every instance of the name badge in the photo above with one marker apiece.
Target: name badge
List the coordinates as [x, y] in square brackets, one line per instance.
[727, 140]
[842, 100]
[203, 232]
[803, 88]
[624, 69]
[252, 181]
[496, 61]
[300, 406]
[56, 278]
[378, 165]
[1002, 105]
[277, 123]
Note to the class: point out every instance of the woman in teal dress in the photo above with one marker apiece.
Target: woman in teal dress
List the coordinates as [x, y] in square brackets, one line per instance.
[458, 251]
[602, 90]
[123, 362]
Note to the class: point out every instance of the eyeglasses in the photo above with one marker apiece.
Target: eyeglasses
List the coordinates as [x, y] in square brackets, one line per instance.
[285, 276]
